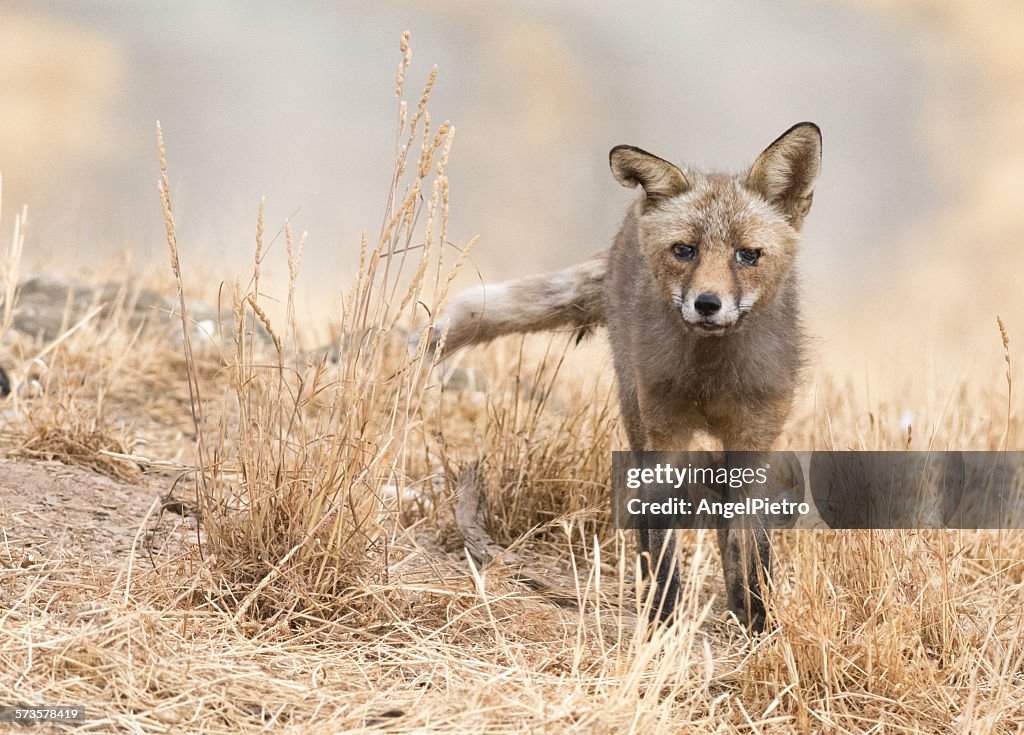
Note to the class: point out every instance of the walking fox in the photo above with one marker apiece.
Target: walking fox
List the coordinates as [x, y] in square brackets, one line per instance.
[700, 296]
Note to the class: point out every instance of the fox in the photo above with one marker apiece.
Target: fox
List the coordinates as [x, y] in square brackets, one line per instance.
[700, 294]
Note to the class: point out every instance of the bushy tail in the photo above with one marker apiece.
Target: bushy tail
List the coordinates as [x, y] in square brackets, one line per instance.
[570, 298]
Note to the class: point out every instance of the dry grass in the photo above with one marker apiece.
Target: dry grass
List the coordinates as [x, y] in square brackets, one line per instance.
[326, 592]
[293, 459]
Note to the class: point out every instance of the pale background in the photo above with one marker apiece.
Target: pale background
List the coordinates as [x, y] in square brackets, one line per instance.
[914, 242]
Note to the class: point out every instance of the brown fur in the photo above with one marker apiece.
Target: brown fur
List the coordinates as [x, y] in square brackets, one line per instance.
[572, 297]
[731, 373]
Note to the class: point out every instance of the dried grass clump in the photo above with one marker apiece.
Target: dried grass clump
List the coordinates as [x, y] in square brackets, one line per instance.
[79, 434]
[79, 396]
[293, 458]
[910, 630]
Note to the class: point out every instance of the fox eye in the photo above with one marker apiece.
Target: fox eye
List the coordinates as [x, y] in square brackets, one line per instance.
[682, 251]
[746, 256]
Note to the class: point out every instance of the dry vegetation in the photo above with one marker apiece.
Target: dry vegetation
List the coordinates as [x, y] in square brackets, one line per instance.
[323, 587]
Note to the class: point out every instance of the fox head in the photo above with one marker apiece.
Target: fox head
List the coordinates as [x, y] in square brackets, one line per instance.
[720, 246]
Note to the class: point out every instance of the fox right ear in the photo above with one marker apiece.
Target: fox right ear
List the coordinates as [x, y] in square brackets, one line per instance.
[658, 177]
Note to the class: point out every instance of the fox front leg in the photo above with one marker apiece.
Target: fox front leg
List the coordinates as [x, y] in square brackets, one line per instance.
[744, 541]
[745, 547]
[659, 559]
[659, 563]
[746, 563]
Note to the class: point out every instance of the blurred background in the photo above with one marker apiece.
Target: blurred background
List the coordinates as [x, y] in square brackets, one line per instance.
[914, 242]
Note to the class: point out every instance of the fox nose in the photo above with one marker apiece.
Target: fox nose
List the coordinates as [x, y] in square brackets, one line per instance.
[707, 304]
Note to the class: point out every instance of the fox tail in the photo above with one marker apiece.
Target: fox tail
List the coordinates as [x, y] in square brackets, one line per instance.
[571, 298]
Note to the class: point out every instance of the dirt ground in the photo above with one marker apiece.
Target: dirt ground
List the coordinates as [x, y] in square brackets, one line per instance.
[53, 511]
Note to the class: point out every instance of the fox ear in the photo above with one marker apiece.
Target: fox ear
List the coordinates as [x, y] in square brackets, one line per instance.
[658, 177]
[786, 172]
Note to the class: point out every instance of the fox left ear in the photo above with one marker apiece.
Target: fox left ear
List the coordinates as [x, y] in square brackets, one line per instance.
[786, 172]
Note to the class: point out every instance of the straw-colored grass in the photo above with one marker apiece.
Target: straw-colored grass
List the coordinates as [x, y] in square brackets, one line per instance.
[326, 591]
